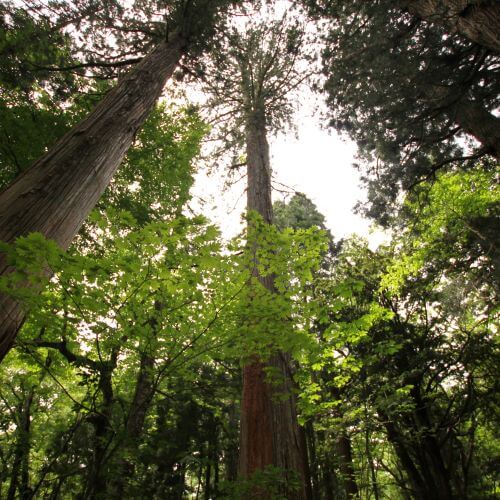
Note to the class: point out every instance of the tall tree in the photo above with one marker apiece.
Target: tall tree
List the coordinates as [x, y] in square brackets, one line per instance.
[55, 195]
[253, 77]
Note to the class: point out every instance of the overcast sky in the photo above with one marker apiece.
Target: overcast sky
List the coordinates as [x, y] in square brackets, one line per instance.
[317, 163]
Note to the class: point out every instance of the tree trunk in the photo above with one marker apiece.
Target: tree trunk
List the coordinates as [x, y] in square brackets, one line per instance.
[143, 395]
[231, 453]
[478, 20]
[56, 194]
[481, 124]
[22, 450]
[470, 115]
[314, 468]
[270, 434]
[95, 486]
[343, 450]
[394, 437]
[432, 450]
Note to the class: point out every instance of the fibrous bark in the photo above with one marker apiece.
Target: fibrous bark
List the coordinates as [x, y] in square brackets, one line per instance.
[478, 20]
[270, 435]
[56, 194]
[481, 124]
[469, 115]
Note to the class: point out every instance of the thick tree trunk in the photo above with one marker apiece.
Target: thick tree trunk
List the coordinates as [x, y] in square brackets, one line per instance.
[270, 435]
[56, 194]
[470, 115]
[478, 20]
[481, 124]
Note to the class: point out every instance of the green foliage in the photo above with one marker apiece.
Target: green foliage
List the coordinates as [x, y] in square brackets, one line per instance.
[269, 481]
[154, 181]
[253, 76]
[403, 347]
[272, 321]
[452, 221]
[299, 213]
[29, 45]
[125, 380]
[404, 89]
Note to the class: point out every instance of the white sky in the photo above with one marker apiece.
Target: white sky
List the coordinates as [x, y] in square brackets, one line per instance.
[317, 163]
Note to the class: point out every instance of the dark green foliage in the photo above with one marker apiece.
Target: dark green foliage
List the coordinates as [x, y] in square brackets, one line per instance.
[28, 45]
[409, 92]
[299, 213]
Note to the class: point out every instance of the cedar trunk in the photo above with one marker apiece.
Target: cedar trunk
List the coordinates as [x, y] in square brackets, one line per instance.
[470, 115]
[270, 434]
[57, 193]
[479, 123]
[479, 21]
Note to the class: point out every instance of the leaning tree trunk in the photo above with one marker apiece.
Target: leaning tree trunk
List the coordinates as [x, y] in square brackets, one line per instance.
[477, 20]
[480, 123]
[56, 194]
[472, 117]
[270, 435]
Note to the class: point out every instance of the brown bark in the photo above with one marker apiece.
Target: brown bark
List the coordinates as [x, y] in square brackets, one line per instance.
[481, 124]
[470, 115]
[343, 450]
[270, 435]
[56, 194]
[143, 395]
[478, 20]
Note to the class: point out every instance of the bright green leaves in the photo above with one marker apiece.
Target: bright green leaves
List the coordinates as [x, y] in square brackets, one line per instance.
[454, 206]
[279, 266]
[452, 221]
[163, 267]
[155, 179]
